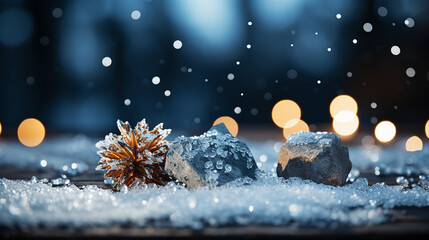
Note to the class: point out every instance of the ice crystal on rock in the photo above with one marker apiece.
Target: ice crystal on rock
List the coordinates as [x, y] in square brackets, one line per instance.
[214, 158]
[135, 156]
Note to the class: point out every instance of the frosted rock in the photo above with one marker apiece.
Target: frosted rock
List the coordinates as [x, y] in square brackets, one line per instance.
[214, 158]
[319, 157]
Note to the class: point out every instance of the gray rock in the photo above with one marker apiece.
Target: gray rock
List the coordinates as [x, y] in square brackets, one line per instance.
[319, 157]
[214, 159]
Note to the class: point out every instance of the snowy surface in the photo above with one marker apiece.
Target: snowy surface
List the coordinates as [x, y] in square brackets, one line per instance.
[303, 138]
[268, 200]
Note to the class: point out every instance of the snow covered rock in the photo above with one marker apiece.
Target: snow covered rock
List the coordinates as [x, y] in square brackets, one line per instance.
[214, 158]
[319, 157]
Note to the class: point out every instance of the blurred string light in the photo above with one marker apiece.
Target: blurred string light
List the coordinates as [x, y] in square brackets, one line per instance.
[286, 113]
[427, 129]
[167, 93]
[382, 11]
[367, 27]
[298, 127]
[395, 50]
[410, 72]
[413, 144]
[230, 76]
[0, 129]
[409, 22]
[230, 124]
[57, 12]
[385, 131]
[127, 102]
[343, 110]
[237, 110]
[341, 103]
[345, 123]
[177, 44]
[156, 80]
[354, 41]
[107, 61]
[31, 132]
[338, 16]
[135, 14]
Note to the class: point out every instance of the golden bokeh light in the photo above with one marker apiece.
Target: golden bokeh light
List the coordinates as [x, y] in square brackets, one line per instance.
[0, 128]
[345, 123]
[413, 144]
[230, 123]
[341, 103]
[298, 127]
[31, 132]
[427, 129]
[286, 113]
[385, 131]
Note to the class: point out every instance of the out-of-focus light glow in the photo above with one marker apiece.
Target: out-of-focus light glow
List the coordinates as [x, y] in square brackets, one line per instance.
[248, 46]
[382, 11]
[409, 22]
[156, 80]
[413, 144]
[31, 132]
[43, 163]
[338, 16]
[329, 49]
[298, 127]
[385, 131]
[368, 140]
[230, 123]
[57, 12]
[177, 44]
[167, 93]
[410, 72]
[319, 82]
[107, 61]
[127, 102]
[135, 15]
[0, 128]
[263, 158]
[237, 110]
[345, 123]
[230, 76]
[249, 23]
[238, 62]
[427, 129]
[367, 27]
[354, 41]
[395, 50]
[341, 103]
[349, 74]
[286, 113]
[373, 105]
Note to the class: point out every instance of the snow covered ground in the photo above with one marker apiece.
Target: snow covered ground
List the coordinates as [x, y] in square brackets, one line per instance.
[268, 200]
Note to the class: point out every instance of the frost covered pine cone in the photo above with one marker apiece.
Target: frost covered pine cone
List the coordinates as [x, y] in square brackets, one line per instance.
[135, 156]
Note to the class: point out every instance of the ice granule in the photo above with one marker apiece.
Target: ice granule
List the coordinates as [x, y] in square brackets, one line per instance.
[268, 200]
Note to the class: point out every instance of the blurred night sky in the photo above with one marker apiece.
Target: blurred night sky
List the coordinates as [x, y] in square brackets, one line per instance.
[51, 61]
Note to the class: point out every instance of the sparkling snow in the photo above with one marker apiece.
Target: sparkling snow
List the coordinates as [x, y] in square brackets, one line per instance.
[268, 200]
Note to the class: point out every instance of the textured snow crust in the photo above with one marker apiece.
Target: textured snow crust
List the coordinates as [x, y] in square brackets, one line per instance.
[268, 200]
